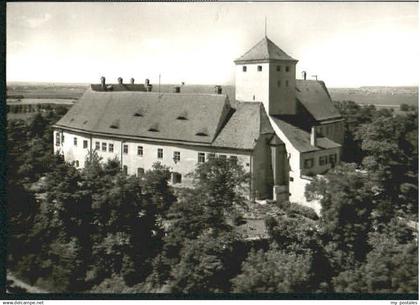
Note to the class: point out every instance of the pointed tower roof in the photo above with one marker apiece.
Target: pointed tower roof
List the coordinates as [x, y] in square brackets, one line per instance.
[265, 50]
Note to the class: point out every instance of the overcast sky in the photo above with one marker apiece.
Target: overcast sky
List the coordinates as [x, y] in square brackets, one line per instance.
[345, 44]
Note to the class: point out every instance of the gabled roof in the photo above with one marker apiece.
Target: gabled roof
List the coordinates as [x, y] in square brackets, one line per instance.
[99, 111]
[244, 127]
[264, 50]
[300, 138]
[314, 97]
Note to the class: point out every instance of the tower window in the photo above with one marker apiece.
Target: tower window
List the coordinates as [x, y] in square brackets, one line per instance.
[287, 68]
[243, 68]
[259, 68]
[278, 68]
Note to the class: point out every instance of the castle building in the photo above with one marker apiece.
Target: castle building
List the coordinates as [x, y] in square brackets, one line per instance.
[283, 131]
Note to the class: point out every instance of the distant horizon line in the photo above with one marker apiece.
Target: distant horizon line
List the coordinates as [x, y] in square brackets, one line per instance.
[87, 83]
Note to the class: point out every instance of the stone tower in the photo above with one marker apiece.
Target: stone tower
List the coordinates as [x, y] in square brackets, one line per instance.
[267, 74]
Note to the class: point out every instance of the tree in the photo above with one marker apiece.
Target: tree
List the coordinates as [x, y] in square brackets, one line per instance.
[390, 144]
[391, 267]
[274, 271]
[346, 196]
[204, 264]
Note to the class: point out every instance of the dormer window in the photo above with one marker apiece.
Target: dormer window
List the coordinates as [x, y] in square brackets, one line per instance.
[183, 116]
[154, 128]
[139, 112]
[243, 68]
[259, 68]
[202, 132]
[115, 124]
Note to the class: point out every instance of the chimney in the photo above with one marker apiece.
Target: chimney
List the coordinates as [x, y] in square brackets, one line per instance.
[218, 89]
[304, 75]
[103, 82]
[177, 89]
[120, 80]
[313, 136]
[132, 81]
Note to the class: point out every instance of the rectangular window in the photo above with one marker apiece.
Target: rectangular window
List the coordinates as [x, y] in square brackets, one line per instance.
[103, 146]
[278, 83]
[140, 151]
[125, 148]
[97, 146]
[333, 158]
[176, 178]
[85, 143]
[259, 68]
[291, 179]
[62, 139]
[211, 156]
[233, 159]
[201, 157]
[287, 68]
[57, 139]
[278, 68]
[243, 68]
[177, 156]
[75, 141]
[111, 147]
[309, 163]
[76, 163]
[140, 172]
[287, 83]
[222, 157]
[323, 160]
[160, 153]
[125, 170]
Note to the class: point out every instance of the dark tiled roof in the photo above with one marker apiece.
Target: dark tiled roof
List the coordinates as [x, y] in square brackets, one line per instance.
[314, 97]
[300, 138]
[244, 127]
[263, 51]
[149, 115]
[118, 87]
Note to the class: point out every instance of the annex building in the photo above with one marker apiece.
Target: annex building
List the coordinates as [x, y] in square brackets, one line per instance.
[282, 130]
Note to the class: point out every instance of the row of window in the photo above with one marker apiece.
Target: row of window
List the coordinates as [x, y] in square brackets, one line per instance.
[201, 157]
[323, 160]
[259, 68]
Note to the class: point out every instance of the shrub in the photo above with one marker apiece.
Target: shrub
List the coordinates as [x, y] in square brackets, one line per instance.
[297, 209]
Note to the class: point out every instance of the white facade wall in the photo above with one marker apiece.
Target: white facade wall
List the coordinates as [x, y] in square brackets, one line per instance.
[188, 153]
[253, 85]
[275, 89]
